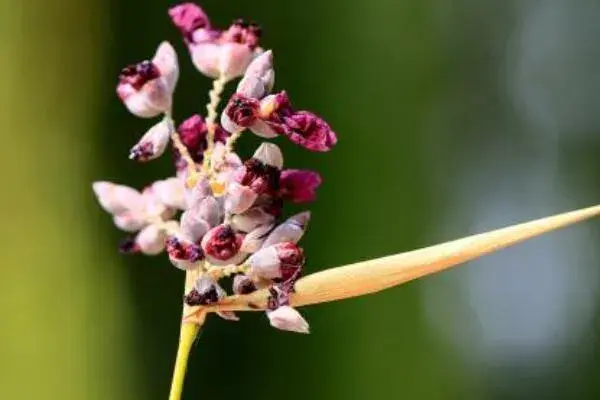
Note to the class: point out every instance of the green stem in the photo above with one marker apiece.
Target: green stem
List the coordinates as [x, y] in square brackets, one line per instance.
[186, 340]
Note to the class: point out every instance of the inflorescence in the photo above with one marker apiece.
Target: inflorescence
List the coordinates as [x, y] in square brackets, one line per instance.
[218, 216]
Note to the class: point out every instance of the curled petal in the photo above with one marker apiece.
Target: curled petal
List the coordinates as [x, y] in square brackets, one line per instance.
[288, 319]
[259, 77]
[234, 59]
[151, 240]
[117, 199]
[146, 88]
[309, 131]
[152, 144]
[206, 58]
[239, 198]
[188, 17]
[166, 61]
[262, 129]
[291, 230]
[299, 186]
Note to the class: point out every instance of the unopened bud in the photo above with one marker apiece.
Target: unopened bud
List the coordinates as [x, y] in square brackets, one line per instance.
[153, 144]
[288, 319]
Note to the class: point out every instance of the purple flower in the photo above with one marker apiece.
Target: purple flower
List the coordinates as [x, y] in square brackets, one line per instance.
[301, 127]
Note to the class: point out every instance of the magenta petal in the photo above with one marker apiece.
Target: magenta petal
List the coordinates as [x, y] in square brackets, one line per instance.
[309, 131]
[299, 186]
[188, 17]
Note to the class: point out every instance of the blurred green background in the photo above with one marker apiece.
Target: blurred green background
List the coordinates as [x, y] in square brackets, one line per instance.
[454, 117]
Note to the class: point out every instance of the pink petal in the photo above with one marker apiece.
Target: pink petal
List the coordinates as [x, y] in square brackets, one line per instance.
[117, 199]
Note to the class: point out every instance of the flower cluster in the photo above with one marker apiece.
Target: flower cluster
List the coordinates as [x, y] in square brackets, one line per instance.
[218, 216]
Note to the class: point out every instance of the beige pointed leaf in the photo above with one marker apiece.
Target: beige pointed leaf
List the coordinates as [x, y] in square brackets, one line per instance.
[374, 275]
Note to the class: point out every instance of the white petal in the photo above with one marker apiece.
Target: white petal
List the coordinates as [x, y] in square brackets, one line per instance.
[254, 239]
[151, 240]
[288, 319]
[153, 144]
[130, 222]
[193, 226]
[165, 60]
[269, 154]
[290, 230]
[259, 77]
[117, 199]
[139, 104]
[239, 198]
[229, 125]
[262, 129]
[251, 219]
[265, 263]
[171, 192]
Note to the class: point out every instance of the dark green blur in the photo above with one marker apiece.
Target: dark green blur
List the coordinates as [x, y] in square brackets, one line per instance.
[422, 96]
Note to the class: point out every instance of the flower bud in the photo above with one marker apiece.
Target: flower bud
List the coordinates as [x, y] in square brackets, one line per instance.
[153, 144]
[193, 226]
[221, 244]
[117, 199]
[206, 291]
[147, 88]
[171, 192]
[299, 186]
[259, 77]
[197, 193]
[269, 154]
[243, 284]
[255, 238]
[239, 198]
[182, 253]
[282, 261]
[291, 230]
[151, 240]
[251, 219]
[130, 221]
[288, 319]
